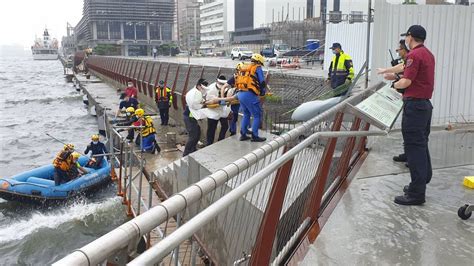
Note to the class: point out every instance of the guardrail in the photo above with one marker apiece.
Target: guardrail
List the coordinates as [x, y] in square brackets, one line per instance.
[280, 206]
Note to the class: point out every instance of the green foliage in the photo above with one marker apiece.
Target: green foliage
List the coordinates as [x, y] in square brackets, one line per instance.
[107, 49]
[273, 98]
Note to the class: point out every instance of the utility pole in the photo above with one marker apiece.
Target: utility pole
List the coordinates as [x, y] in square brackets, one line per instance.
[369, 16]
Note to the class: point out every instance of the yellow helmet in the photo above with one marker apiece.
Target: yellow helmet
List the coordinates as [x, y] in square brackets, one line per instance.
[130, 110]
[239, 66]
[139, 112]
[68, 146]
[95, 137]
[258, 58]
[76, 155]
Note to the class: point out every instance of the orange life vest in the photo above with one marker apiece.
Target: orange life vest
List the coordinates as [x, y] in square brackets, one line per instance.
[63, 160]
[246, 79]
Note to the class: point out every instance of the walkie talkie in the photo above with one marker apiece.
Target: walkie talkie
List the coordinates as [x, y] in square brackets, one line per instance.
[395, 62]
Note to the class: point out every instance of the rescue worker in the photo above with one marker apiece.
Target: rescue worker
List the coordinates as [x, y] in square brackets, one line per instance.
[76, 169]
[126, 102]
[418, 79]
[402, 52]
[63, 164]
[195, 100]
[341, 69]
[163, 99]
[218, 114]
[250, 81]
[148, 132]
[95, 147]
[130, 118]
[229, 90]
[131, 91]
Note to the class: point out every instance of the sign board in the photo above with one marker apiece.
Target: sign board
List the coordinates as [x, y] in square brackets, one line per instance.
[382, 108]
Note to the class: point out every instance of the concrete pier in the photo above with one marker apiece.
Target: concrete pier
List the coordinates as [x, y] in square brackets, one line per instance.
[368, 228]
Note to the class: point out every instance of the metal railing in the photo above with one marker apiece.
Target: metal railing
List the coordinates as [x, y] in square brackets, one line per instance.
[253, 175]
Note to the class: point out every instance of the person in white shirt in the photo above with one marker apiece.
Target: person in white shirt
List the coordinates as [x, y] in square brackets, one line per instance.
[195, 100]
[217, 114]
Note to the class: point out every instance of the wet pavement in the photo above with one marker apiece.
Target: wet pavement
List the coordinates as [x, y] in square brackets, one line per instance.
[305, 70]
[367, 228]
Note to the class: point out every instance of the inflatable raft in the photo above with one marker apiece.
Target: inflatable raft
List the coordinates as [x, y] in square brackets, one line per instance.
[37, 185]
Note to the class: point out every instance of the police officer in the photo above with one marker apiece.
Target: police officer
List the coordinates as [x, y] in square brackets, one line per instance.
[163, 101]
[418, 81]
[395, 75]
[341, 69]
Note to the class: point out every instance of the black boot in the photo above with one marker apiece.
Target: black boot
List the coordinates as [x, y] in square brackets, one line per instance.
[400, 158]
[244, 137]
[407, 199]
[258, 139]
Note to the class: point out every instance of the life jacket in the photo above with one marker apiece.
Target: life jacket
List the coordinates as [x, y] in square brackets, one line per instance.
[63, 160]
[247, 80]
[149, 128]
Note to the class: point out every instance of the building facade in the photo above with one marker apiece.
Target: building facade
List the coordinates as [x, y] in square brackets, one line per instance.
[212, 24]
[249, 21]
[189, 33]
[126, 27]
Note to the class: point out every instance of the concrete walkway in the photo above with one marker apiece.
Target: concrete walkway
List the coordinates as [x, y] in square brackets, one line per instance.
[367, 228]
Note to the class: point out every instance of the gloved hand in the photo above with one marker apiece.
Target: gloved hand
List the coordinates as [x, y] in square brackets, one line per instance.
[347, 81]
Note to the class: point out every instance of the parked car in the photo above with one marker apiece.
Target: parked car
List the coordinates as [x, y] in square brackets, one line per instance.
[241, 53]
[275, 50]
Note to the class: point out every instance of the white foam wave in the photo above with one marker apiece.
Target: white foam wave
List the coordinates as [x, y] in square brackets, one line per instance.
[77, 212]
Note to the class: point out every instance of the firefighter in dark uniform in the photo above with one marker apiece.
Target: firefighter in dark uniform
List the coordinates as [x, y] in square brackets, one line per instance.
[399, 63]
[418, 81]
[163, 101]
[341, 70]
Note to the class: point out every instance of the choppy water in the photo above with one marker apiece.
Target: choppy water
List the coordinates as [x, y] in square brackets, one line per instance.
[35, 99]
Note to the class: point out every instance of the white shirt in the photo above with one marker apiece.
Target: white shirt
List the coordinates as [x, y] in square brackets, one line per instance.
[195, 100]
[213, 91]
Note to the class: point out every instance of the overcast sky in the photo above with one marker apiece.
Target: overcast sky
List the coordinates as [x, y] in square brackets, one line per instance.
[21, 20]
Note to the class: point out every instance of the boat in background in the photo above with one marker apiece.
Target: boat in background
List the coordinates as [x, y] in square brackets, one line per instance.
[46, 48]
[37, 185]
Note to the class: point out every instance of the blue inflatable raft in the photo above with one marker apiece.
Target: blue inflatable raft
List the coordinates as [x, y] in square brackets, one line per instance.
[37, 185]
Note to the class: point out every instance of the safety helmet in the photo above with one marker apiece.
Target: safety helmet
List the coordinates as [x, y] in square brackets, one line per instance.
[76, 155]
[95, 137]
[69, 146]
[239, 66]
[130, 110]
[258, 58]
[139, 112]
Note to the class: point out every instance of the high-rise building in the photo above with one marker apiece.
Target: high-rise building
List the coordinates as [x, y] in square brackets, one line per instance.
[248, 21]
[212, 23]
[127, 27]
[188, 24]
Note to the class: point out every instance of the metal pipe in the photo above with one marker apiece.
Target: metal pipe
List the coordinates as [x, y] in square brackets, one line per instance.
[157, 252]
[176, 250]
[367, 55]
[130, 177]
[141, 175]
[279, 259]
[98, 250]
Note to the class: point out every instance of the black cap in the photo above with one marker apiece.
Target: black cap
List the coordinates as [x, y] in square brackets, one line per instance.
[123, 95]
[221, 79]
[335, 45]
[202, 82]
[161, 83]
[416, 31]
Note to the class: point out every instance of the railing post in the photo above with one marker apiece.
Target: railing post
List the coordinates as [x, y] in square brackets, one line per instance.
[143, 78]
[344, 161]
[130, 213]
[149, 87]
[175, 102]
[262, 251]
[314, 201]
[185, 89]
